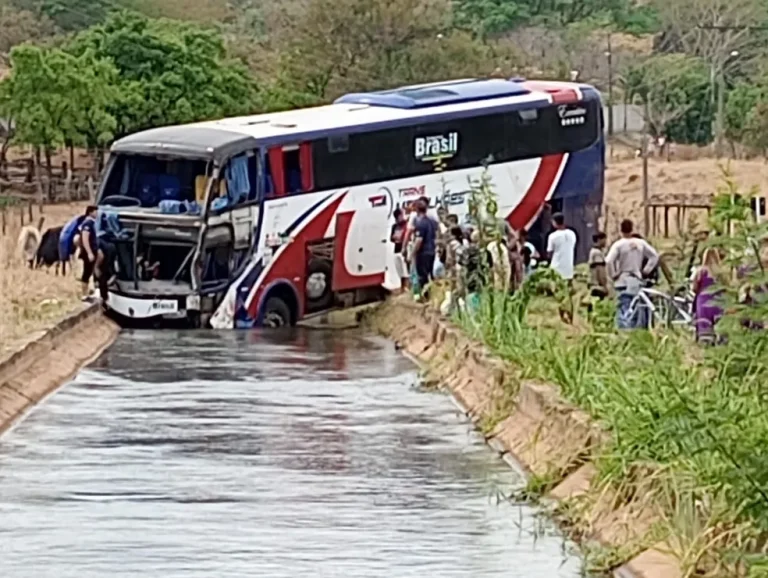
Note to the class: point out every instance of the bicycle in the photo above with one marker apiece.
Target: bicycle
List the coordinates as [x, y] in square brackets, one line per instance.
[655, 308]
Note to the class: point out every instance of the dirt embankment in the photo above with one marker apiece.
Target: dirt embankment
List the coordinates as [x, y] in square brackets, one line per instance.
[677, 181]
[550, 439]
[46, 362]
[31, 300]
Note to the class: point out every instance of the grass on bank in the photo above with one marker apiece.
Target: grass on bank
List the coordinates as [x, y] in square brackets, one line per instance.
[691, 436]
[31, 301]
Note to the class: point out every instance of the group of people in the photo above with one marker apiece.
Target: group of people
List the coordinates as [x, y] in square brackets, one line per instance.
[428, 248]
[470, 254]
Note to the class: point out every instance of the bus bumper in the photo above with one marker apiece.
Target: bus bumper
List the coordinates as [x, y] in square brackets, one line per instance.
[166, 307]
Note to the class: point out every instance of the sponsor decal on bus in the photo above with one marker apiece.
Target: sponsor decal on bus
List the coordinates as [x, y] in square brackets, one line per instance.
[417, 191]
[436, 147]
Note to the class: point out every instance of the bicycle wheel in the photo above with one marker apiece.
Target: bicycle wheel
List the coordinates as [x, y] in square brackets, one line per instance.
[662, 311]
[638, 315]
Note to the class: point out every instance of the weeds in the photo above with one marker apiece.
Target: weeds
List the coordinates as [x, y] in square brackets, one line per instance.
[688, 432]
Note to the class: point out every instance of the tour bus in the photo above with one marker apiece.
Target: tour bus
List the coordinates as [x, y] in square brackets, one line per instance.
[265, 219]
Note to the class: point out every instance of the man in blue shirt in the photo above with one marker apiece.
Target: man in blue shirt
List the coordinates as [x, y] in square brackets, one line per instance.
[425, 232]
[89, 248]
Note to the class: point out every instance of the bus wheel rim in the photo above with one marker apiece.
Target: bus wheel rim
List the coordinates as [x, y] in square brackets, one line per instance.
[274, 319]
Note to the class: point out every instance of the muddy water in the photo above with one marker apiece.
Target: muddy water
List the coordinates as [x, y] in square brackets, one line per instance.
[245, 454]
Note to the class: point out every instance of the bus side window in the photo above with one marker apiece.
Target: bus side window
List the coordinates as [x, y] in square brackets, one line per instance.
[292, 168]
[288, 170]
[297, 167]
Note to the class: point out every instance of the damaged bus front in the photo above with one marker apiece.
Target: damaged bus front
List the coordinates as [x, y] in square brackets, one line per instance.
[164, 214]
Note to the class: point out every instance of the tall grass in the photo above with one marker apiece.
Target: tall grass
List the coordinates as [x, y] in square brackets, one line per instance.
[31, 300]
[704, 420]
[688, 425]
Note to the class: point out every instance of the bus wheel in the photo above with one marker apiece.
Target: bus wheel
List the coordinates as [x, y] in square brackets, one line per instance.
[318, 287]
[276, 313]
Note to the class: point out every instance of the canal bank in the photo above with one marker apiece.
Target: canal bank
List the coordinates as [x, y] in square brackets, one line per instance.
[554, 443]
[49, 358]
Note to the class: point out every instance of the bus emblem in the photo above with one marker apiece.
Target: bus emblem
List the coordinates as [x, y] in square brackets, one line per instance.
[377, 200]
[571, 116]
[431, 148]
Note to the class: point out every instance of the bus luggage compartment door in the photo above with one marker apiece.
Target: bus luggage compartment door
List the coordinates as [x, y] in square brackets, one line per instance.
[360, 250]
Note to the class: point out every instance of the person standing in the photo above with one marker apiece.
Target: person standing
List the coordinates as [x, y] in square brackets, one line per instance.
[89, 248]
[425, 230]
[561, 248]
[397, 236]
[629, 260]
[708, 286]
[599, 286]
[530, 254]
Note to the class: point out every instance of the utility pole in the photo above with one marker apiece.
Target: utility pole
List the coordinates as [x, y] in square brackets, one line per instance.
[646, 146]
[609, 55]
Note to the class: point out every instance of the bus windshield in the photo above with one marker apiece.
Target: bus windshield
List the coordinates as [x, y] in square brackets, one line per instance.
[146, 181]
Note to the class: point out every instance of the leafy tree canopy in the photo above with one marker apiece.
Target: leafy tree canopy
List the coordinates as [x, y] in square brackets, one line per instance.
[55, 98]
[677, 90]
[70, 15]
[495, 17]
[169, 72]
[345, 45]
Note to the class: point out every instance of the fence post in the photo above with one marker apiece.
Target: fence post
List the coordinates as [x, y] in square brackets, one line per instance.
[29, 212]
[21, 215]
[3, 217]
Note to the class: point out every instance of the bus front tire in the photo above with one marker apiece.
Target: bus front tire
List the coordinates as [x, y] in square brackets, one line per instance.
[276, 313]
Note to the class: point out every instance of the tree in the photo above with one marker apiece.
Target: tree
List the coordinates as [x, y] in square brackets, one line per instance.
[674, 88]
[69, 15]
[57, 98]
[495, 17]
[756, 127]
[192, 10]
[714, 29]
[338, 46]
[721, 32]
[21, 26]
[168, 72]
[741, 101]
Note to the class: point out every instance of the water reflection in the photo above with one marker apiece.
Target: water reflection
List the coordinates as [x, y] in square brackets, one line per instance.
[192, 454]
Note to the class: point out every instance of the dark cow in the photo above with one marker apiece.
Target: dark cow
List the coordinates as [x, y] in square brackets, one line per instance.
[48, 251]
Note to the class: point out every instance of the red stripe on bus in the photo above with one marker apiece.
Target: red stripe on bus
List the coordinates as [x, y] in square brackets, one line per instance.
[291, 264]
[536, 195]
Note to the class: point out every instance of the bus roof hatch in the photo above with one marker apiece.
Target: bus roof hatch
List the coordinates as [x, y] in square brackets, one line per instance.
[437, 94]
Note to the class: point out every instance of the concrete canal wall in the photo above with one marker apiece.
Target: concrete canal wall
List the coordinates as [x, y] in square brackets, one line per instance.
[51, 358]
[550, 439]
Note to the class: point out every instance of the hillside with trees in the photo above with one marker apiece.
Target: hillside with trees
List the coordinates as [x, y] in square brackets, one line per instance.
[84, 72]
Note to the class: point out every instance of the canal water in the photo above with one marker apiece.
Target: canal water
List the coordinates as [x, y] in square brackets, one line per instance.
[234, 454]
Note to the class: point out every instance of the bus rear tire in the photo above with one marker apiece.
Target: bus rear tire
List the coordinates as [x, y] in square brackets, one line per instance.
[277, 313]
[324, 299]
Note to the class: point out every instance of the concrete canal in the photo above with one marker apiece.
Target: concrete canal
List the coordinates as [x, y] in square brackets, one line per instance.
[231, 454]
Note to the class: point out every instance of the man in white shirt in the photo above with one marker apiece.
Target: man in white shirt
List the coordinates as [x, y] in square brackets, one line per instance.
[561, 248]
[625, 266]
